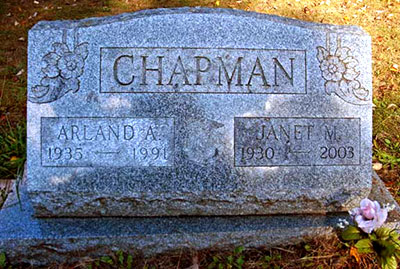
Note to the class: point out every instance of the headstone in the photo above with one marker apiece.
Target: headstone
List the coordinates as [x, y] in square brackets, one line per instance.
[197, 112]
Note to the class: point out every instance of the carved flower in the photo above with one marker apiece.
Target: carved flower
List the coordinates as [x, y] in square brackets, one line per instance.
[340, 74]
[332, 68]
[61, 61]
[61, 71]
[50, 62]
[71, 65]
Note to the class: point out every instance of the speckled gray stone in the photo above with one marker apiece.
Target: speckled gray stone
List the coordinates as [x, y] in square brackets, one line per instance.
[197, 111]
[44, 241]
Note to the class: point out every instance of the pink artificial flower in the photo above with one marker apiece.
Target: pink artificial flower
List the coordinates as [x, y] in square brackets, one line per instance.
[369, 216]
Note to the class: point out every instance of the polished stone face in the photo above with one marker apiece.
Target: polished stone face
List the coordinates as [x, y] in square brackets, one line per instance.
[197, 112]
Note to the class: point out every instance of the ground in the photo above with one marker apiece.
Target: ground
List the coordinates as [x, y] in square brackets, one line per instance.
[380, 18]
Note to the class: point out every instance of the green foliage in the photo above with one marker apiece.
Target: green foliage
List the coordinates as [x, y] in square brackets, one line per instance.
[129, 262]
[269, 261]
[119, 259]
[364, 246]
[107, 259]
[12, 151]
[2, 260]
[386, 122]
[235, 260]
[351, 233]
[383, 241]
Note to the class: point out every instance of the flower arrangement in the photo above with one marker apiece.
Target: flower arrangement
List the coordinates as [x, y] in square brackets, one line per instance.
[368, 235]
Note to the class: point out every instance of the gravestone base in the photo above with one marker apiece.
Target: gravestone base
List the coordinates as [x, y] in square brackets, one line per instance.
[44, 241]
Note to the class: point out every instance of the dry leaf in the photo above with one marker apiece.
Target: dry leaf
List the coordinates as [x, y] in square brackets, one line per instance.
[377, 166]
[13, 158]
[20, 72]
[217, 3]
[394, 68]
[354, 253]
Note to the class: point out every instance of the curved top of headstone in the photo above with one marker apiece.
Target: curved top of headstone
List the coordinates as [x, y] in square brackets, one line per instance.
[97, 21]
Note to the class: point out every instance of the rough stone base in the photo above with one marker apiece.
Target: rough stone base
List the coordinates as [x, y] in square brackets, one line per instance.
[26, 239]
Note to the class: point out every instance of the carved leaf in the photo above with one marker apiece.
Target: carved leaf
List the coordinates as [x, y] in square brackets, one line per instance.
[51, 58]
[361, 94]
[60, 48]
[322, 54]
[82, 50]
[342, 53]
[39, 91]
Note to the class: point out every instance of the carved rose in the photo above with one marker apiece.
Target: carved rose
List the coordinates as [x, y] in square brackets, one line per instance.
[332, 68]
[50, 61]
[71, 65]
[62, 68]
[340, 74]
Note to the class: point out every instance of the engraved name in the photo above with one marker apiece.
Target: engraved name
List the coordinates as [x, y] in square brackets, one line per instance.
[201, 70]
[297, 141]
[118, 142]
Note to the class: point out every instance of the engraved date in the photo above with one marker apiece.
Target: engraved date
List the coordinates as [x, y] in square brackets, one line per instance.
[153, 153]
[258, 153]
[57, 153]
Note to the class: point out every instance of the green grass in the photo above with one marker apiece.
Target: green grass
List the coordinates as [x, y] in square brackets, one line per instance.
[12, 150]
[386, 131]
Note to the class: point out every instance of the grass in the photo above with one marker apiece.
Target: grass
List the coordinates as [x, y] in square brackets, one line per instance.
[13, 150]
[379, 17]
[317, 253]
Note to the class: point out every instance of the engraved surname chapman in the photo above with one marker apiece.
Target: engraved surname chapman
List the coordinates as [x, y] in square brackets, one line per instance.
[118, 142]
[202, 70]
[296, 141]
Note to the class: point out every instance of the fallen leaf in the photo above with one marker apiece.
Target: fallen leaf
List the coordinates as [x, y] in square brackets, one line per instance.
[394, 68]
[36, 2]
[377, 166]
[392, 106]
[16, 23]
[20, 72]
[21, 39]
[217, 3]
[14, 158]
[354, 253]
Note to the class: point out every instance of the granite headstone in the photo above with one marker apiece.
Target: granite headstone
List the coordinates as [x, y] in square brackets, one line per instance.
[197, 112]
